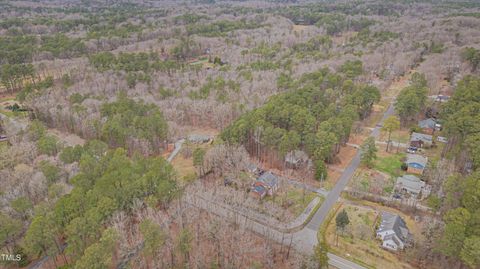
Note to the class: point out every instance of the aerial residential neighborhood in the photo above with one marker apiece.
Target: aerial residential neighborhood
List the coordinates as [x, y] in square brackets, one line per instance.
[339, 134]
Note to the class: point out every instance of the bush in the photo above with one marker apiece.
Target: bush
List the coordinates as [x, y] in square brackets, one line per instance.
[434, 202]
[36, 130]
[71, 154]
[76, 98]
[320, 170]
[48, 145]
[24, 261]
[50, 171]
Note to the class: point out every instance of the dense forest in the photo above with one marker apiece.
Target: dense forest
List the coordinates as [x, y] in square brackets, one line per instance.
[96, 96]
[316, 114]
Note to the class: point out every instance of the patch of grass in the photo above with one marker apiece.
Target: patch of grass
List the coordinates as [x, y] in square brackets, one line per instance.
[390, 164]
[402, 136]
[3, 146]
[184, 167]
[294, 200]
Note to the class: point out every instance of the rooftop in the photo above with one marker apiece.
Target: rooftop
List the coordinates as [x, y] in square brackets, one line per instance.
[198, 138]
[269, 179]
[396, 223]
[427, 123]
[421, 137]
[411, 183]
[415, 158]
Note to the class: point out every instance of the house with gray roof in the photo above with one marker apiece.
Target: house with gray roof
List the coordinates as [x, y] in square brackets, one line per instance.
[412, 185]
[427, 123]
[270, 181]
[429, 126]
[393, 232]
[199, 138]
[420, 140]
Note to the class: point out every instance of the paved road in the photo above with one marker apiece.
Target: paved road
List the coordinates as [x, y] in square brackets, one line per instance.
[342, 182]
[340, 262]
[303, 240]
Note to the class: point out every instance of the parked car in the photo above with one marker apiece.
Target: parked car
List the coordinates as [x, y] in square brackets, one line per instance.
[412, 150]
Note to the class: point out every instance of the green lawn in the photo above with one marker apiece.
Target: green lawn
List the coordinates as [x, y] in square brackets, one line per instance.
[3, 146]
[390, 164]
[294, 200]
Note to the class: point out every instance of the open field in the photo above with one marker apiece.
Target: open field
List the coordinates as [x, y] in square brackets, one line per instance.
[293, 199]
[389, 163]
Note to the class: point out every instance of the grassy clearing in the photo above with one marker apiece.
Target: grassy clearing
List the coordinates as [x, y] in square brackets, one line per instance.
[184, 168]
[203, 62]
[294, 200]
[372, 181]
[183, 163]
[402, 136]
[390, 164]
[7, 101]
[3, 146]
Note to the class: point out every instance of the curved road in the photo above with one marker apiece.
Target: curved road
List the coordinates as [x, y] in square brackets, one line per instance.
[305, 239]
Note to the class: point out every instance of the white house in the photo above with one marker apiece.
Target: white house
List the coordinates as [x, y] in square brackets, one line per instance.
[393, 232]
